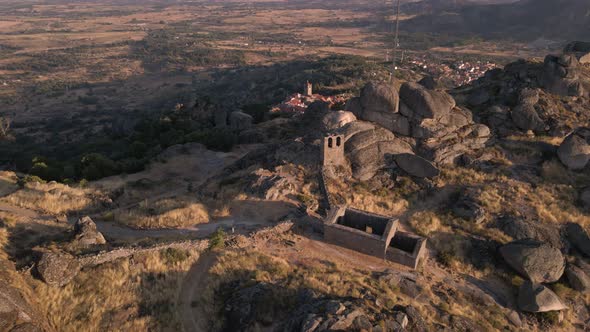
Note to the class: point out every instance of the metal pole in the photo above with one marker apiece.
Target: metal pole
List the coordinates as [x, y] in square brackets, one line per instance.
[396, 40]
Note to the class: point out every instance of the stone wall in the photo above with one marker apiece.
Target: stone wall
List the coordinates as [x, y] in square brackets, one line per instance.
[354, 239]
[398, 250]
[354, 236]
[109, 256]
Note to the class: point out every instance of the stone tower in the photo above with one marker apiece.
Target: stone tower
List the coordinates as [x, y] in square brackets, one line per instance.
[333, 151]
[308, 90]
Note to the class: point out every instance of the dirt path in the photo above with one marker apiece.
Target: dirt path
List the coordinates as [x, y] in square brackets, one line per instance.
[190, 290]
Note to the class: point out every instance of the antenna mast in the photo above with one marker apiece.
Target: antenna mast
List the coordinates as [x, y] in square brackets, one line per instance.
[396, 40]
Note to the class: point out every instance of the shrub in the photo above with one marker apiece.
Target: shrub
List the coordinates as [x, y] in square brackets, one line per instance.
[96, 166]
[173, 256]
[217, 239]
[28, 179]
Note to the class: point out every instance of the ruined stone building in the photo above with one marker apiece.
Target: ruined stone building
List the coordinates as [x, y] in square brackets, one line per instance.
[373, 235]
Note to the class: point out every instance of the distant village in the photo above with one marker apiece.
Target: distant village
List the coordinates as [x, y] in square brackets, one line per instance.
[458, 72]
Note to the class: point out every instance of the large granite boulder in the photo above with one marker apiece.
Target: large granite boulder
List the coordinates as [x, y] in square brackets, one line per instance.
[57, 268]
[425, 103]
[577, 278]
[368, 147]
[519, 229]
[15, 310]
[578, 237]
[538, 298]
[537, 261]
[379, 103]
[86, 233]
[580, 49]
[416, 165]
[379, 98]
[574, 152]
[337, 119]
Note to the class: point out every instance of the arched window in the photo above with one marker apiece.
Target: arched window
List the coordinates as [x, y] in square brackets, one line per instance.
[338, 141]
[330, 142]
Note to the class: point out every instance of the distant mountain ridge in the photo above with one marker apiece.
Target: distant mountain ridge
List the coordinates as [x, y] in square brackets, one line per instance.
[523, 20]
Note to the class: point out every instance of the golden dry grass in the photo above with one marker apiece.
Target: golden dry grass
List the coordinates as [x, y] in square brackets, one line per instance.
[53, 198]
[135, 294]
[164, 213]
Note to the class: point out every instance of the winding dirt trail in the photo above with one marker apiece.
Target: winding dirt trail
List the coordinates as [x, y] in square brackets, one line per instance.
[191, 289]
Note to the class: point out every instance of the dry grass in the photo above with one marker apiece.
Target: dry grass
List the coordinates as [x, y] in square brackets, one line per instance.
[164, 213]
[425, 222]
[136, 294]
[53, 198]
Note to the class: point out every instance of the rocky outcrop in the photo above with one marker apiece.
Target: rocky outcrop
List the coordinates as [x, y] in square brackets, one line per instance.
[537, 261]
[57, 268]
[86, 234]
[574, 151]
[578, 237]
[368, 147]
[240, 121]
[538, 298]
[337, 119]
[579, 49]
[15, 311]
[425, 103]
[425, 116]
[577, 278]
[468, 206]
[269, 185]
[561, 75]
[547, 98]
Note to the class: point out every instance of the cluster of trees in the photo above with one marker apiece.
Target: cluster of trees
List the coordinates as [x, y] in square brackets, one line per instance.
[110, 152]
[169, 49]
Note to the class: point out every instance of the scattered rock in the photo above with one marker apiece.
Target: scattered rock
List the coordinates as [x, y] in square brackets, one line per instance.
[269, 185]
[467, 206]
[416, 165]
[538, 298]
[240, 121]
[345, 322]
[577, 278]
[526, 118]
[574, 152]
[57, 268]
[250, 306]
[579, 238]
[537, 261]
[337, 119]
[86, 233]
